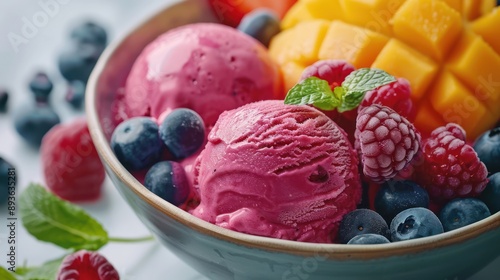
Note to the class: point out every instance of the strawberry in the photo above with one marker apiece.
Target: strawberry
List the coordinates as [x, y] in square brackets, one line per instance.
[85, 265]
[71, 165]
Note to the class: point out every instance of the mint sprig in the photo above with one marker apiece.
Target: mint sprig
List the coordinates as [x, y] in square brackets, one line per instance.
[317, 92]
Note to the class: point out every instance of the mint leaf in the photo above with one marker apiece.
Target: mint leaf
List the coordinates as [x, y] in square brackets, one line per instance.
[6, 275]
[357, 83]
[47, 271]
[51, 219]
[366, 79]
[312, 91]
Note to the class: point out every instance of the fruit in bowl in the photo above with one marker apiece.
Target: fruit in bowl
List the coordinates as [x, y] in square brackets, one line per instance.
[221, 253]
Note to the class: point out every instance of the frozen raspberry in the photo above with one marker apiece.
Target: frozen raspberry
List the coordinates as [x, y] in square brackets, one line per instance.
[85, 265]
[451, 167]
[395, 95]
[386, 142]
[332, 71]
[71, 165]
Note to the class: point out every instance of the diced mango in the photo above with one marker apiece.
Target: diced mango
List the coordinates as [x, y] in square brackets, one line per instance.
[477, 65]
[371, 14]
[427, 119]
[348, 42]
[400, 60]
[457, 104]
[487, 27]
[429, 26]
[291, 74]
[300, 44]
[312, 9]
[473, 9]
[455, 4]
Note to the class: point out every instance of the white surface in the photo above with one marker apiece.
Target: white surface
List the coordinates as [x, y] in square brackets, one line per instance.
[134, 261]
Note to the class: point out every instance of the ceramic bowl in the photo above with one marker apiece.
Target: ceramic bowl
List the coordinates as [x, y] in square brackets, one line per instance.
[223, 254]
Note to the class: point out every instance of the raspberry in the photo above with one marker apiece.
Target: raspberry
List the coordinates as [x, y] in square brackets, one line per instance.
[85, 265]
[332, 71]
[451, 167]
[71, 165]
[386, 142]
[395, 95]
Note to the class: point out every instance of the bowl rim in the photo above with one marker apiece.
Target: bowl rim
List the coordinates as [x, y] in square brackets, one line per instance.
[330, 251]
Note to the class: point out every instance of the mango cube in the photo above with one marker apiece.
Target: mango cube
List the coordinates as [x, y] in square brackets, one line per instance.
[457, 104]
[371, 14]
[427, 119]
[348, 42]
[428, 25]
[300, 44]
[291, 74]
[396, 58]
[487, 27]
[477, 65]
[312, 9]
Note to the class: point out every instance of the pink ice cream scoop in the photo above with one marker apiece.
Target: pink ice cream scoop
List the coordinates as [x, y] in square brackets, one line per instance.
[206, 67]
[277, 170]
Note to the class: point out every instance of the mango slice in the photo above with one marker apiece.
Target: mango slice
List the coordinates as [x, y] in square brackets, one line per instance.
[449, 50]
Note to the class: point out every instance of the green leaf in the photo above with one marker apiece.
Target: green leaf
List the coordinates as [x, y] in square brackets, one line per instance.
[351, 101]
[51, 219]
[312, 91]
[47, 271]
[6, 275]
[366, 79]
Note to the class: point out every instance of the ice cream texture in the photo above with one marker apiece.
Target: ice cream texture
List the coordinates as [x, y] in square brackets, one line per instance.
[277, 170]
[206, 67]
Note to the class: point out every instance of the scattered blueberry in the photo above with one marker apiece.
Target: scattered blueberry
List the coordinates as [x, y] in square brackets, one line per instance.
[41, 86]
[77, 61]
[460, 212]
[4, 98]
[396, 196]
[487, 147]
[4, 180]
[75, 95]
[261, 24]
[136, 143]
[91, 33]
[369, 238]
[491, 194]
[183, 132]
[33, 123]
[168, 180]
[361, 221]
[415, 223]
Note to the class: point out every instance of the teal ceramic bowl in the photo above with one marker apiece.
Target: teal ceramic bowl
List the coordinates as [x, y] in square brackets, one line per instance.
[223, 254]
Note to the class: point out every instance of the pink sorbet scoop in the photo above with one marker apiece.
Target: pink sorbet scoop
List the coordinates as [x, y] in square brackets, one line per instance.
[277, 170]
[206, 67]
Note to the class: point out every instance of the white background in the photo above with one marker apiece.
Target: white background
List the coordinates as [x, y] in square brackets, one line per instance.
[134, 261]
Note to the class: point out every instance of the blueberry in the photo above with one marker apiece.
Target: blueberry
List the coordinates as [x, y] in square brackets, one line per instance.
[396, 196]
[33, 123]
[361, 221]
[4, 180]
[77, 61]
[41, 86]
[491, 194]
[415, 223]
[4, 98]
[369, 238]
[168, 180]
[461, 212]
[487, 147]
[136, 143]
[261, 24]
[183, 132]
[75, 95]
[89, 32]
